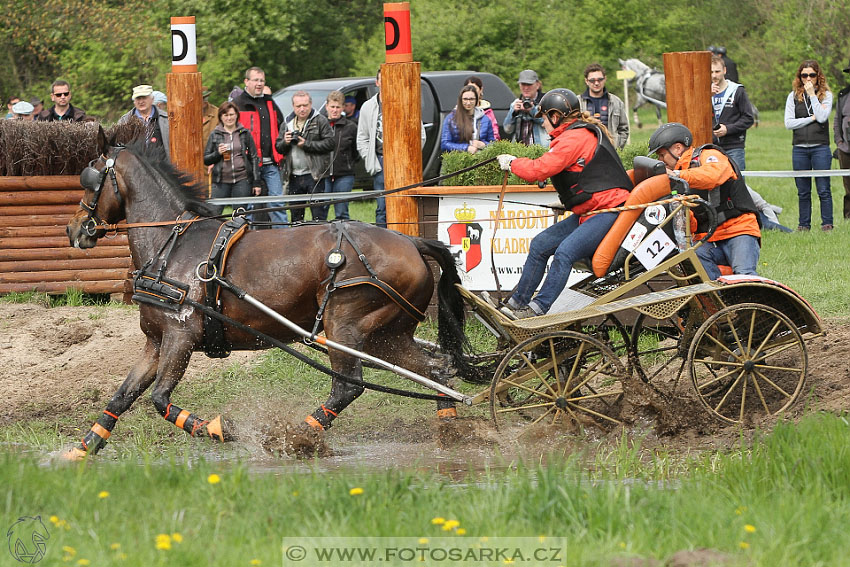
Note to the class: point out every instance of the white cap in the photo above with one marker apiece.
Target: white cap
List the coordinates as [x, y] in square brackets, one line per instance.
[22, 107]
[142, 90]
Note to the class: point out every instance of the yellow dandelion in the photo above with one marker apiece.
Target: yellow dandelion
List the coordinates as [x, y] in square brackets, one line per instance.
[740, 510]
[83, 562]
[177, 538]
[450, 525]
[103, 494]
[541, 538]
[115, 546]
[744, 545]
[213, 479]
[460, 531]
[122, 556]
[422, 540]
[295, 494]
[256, 562]
[622, 545]
[438, 520]
[355, 491]
[163, 541]
[54, 520]
[69, 550]
[508, 561]
[750, 529]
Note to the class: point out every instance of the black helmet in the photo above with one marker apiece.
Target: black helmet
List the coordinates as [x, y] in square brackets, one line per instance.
[711, 48]
[721, 50]
[564, 101]
[668, 134]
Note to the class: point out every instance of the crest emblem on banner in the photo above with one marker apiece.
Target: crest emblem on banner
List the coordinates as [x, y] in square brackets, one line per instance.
[465, 239]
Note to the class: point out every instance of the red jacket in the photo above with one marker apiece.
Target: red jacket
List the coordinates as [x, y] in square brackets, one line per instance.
[249, 117]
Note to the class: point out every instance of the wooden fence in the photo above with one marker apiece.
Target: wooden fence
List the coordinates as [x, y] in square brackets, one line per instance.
[35, 254]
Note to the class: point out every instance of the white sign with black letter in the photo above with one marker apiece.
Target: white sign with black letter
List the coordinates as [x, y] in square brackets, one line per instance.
[183, 49]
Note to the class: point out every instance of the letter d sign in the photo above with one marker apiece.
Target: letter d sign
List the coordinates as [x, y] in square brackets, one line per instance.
[397, 30]
[184, 57]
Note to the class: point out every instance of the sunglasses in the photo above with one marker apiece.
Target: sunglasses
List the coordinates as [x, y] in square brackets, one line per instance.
[808, 75]
[62, 94]
[596, 80]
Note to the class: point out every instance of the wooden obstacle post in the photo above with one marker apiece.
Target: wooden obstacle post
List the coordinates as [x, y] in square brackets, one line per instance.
[402, 119]
[185, 100]
[688, 78]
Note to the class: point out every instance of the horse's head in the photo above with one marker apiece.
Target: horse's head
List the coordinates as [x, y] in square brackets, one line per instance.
[634, 64]
[103, 200]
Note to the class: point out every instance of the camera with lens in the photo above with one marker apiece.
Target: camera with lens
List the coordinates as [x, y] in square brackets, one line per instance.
[527, 103]
[296, 135]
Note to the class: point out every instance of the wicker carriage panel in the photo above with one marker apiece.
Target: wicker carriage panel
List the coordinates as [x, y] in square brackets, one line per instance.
[663, 310]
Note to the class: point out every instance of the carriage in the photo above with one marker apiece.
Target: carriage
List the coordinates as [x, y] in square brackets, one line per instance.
[645, 309]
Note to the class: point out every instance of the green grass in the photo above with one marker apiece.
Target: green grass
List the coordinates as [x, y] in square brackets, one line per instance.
[792, 486]
[71, 298]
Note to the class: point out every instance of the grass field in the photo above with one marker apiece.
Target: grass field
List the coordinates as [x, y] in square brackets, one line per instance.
[157, 497]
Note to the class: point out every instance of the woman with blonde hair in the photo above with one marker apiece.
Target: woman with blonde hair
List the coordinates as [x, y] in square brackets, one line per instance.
[807, 115]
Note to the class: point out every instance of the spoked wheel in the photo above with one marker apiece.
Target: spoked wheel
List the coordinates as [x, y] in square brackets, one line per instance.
[557, 376]
[658, 347]
[747, 359]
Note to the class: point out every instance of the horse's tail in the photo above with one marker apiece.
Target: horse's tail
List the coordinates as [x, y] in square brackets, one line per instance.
[450, 309]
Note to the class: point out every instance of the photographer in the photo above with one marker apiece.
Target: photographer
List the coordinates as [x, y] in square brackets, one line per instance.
[306, 144]
[520, 123]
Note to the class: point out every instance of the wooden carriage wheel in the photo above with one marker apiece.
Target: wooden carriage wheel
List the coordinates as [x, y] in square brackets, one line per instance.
[557, 376]
[747, 359]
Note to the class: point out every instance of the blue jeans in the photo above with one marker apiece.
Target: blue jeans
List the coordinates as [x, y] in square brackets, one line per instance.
[271, 175]
[802, 159]
[741, 253]
[378, 185]
[342, 184]
[568, 241]
[738, 154]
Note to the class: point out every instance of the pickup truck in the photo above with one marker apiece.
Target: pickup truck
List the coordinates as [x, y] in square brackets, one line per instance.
[440, 90]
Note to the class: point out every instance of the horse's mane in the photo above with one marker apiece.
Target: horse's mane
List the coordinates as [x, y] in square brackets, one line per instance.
[186, 190]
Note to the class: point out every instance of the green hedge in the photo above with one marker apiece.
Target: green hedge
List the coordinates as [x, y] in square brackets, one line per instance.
[490, 174]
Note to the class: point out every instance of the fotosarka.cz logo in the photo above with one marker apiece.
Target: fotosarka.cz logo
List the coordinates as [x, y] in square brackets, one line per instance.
[28, 539]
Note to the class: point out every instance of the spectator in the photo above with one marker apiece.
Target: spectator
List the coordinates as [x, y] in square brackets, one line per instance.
[261, 116]
[521, 123]
[233, 155]
[12, 101]
[62, 109]
[807, 111]
[306, 144]
[466, 128]
[606, 107]
[731, 67]
[484, 105]
[37, 106]
[842, 138]
[736, 240]
[767, 212]
[733, 113]
[588, 175]
[370, 146]
[209, 114]
[160, 101]
[22, 110]
[156, 123]
[350, 108]
[340, 178]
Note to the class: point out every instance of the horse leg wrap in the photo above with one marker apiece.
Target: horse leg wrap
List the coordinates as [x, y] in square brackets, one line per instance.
[188, 422]
[100, 431]
[321, 418]
[446, 409]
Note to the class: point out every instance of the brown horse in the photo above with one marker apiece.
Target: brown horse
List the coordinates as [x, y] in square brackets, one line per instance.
[283, 268]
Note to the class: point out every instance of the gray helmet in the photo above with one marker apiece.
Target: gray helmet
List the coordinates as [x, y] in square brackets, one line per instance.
[711, 48]
[668, 134]
[564, 101]
[721, 50]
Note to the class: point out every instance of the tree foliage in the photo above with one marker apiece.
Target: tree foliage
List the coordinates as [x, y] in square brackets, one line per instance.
[105, 47]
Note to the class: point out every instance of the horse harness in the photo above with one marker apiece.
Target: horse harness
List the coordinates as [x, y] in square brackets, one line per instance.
[156, 289]
[90, 178]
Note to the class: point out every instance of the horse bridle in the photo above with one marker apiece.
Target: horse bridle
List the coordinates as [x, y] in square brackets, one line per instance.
[92, 179]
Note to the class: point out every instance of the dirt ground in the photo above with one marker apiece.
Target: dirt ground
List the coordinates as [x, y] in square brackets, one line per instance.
[71, 359]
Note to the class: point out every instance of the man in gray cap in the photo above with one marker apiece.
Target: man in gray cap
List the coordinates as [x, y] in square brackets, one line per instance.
[841, 127]
[520, 123]
[22, 110]
[156, 133]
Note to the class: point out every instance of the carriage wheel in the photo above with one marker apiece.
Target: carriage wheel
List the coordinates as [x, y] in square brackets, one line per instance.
[557, 376]
[659, 347]
[747, 359]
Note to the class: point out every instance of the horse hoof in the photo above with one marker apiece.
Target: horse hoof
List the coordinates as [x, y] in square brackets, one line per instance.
[73, 455]
[220, 430]
[447, 414]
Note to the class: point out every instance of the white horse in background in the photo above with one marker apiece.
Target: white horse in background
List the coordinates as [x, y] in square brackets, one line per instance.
[649, 87]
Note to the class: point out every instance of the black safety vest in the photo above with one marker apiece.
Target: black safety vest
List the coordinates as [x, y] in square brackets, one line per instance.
[816, 133]
[730, 200]
[604, 171]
